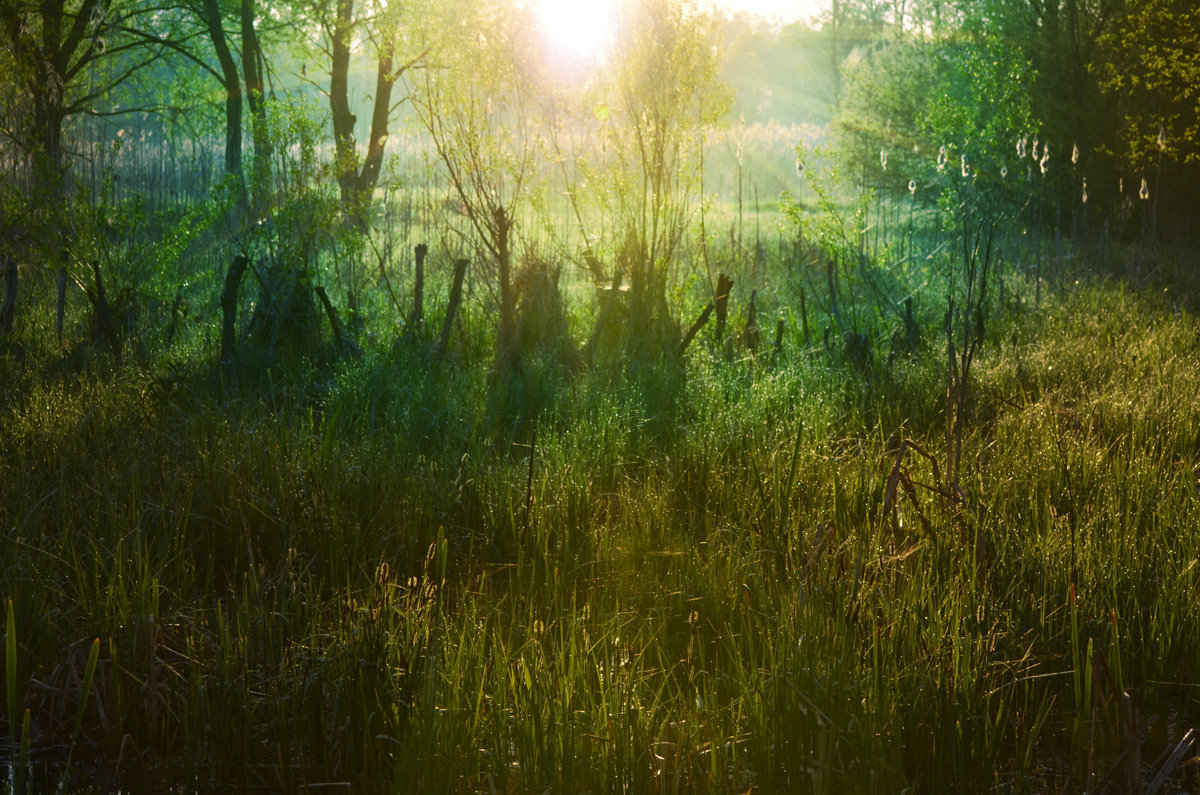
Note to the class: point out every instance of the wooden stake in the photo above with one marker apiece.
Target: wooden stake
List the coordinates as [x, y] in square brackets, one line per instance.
[418, 307]
[460, 272]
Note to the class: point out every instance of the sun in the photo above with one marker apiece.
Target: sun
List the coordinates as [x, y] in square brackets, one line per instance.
[576, 31]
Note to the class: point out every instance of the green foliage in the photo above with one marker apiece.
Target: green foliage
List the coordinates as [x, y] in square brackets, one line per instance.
[663, 94]
[1153, 69]
[1149, 70]
[888, 95]
[979, 109]
[918, 113]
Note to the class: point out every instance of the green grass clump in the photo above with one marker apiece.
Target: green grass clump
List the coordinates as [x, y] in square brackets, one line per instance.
[369, 584]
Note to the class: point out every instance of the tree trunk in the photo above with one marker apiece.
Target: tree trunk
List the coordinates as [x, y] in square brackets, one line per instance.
[49, 63]
[695, 329]
[229, 297]
[778, 348]
[345, 146]
[418, 307]
[342, 342]
[385, 79]
[724, 286]
[232, 83]
[104, 317]
[252, 69]
[750, 335]
[47, 158]
[357, 186]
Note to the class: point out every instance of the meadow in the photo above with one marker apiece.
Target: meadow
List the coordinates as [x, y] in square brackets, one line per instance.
[758, 569]
[559, 433]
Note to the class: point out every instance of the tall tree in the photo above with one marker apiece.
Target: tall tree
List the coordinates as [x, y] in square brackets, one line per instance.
[1151, 70]
[210, 12]
[1061, 40]
[475, 102]
[57, 47]
[68, 57]
[348, 25]
[254, 76]
[208, 24]
[664, 92]
[231, 30]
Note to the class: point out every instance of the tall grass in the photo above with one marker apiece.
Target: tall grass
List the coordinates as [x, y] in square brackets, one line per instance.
[366, 585]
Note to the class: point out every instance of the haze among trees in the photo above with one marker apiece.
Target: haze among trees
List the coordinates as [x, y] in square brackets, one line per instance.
[406, 396]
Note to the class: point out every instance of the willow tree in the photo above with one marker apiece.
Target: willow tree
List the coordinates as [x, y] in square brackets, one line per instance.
[63, 59]
[210, 13]
[229, 32]
[352, 30]
[475, 101]
[663, 93]
[69, 58]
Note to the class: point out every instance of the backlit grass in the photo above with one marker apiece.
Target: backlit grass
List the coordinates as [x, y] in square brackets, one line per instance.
[367, 583]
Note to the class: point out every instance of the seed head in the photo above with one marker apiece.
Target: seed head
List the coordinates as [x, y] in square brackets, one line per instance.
[1021, 146]
[1075, 154]
[1162, 138]
[941, 160]
[1035, 146]
[1144, 193]
[1085, 190]
[883, 158]
[1003, 172]
[912, 187]
[1045, 159]
[966, 172]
